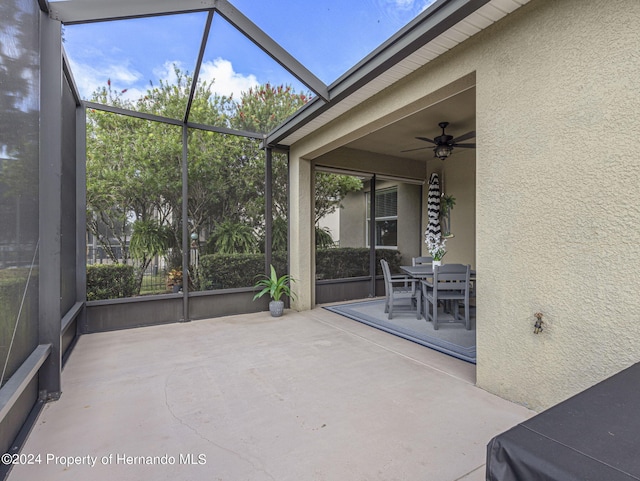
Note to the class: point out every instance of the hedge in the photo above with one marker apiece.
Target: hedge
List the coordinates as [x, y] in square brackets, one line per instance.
[110, 281]
[345, 262]
[225, 271]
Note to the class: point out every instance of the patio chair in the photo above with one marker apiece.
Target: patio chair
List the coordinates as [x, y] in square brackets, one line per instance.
[400, 287]
[450, 284]
[418, 261]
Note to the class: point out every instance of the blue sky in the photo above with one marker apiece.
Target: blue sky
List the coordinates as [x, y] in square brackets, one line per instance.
[327, 37]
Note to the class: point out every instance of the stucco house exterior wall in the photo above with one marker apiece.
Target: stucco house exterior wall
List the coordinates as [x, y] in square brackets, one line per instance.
[409, 228]
[557, 202]
[353, 222]
[353, 218]
[558, 207]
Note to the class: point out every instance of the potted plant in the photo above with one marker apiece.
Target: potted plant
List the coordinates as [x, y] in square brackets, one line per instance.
[446, 204]
[276, 287]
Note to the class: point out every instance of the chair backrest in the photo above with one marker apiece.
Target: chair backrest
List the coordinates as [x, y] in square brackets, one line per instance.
[386, 272]
[418, 261]
[452, 277]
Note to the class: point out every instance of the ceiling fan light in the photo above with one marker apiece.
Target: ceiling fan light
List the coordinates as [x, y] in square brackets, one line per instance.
[442, 151]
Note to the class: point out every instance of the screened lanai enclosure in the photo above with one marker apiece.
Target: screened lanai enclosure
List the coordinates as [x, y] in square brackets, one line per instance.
[158, 155]
[126, 206]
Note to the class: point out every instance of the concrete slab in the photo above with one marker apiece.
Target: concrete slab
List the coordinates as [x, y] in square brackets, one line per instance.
[308, 396]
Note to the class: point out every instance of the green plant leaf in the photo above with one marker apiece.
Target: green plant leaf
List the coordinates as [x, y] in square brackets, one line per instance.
[275, 286]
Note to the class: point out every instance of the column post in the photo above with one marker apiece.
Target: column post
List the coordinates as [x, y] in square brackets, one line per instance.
[50, 206]
[302, 231]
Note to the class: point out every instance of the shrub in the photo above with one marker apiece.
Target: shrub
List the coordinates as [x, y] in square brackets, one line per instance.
[345, 262]
[226, 271]
[110, 281]
[233, 237]
[324, 240]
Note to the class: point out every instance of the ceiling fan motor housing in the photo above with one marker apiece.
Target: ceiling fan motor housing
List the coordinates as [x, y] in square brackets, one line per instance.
[443, 139]
[444, 143]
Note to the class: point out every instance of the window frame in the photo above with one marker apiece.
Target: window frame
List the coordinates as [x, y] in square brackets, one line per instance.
[385, 191]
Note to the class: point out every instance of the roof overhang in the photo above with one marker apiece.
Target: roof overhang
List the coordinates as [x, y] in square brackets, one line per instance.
[441, 27]
[438, 29]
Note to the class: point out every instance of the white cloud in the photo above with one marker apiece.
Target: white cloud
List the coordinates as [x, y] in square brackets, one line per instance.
[426, 4]
[404, 4]
[90, 78]
[167, 72]
[402, 11]
[410, 4]
[225, 80]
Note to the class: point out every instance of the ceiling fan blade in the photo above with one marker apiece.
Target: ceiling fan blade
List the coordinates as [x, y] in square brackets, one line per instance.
[468, 135]
[465, 146]
[419, 148]
[427, 140]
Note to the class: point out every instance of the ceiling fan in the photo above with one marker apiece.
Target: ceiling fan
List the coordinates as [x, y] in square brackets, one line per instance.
[444, 143]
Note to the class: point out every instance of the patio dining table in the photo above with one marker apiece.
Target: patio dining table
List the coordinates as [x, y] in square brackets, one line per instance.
[425, 271]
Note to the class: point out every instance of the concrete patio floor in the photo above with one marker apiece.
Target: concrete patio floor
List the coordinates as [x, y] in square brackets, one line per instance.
[308, 396]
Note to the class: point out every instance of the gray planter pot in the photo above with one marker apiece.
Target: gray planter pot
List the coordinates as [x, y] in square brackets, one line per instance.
[276, 308]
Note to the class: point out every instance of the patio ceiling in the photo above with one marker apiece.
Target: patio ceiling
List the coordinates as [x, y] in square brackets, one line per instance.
[394, 139]
[438, 29]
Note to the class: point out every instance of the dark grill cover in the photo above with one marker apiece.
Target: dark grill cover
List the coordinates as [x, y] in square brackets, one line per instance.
[595, 435]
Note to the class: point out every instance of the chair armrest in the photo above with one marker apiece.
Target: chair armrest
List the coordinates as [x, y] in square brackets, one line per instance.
[400, 276]
[397, 280]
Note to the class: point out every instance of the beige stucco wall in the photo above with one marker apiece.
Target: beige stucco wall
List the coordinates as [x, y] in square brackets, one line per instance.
[557, 196]
[409, 229]
[353, 223]
[558, 207]
[302, 233]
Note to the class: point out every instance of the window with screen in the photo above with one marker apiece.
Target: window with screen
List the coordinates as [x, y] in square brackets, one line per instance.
[386, 217]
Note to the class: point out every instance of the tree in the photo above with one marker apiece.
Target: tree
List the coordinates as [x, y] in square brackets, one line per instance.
[133, 174]
[223, 185]
[233, 237]
[331, 189]
[149, 239]
[19, 74]
[134, 180]
[19, 117]
[262, 109]
[265, 107]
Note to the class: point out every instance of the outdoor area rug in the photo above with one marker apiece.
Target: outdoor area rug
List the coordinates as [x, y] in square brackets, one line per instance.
[450, 338]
